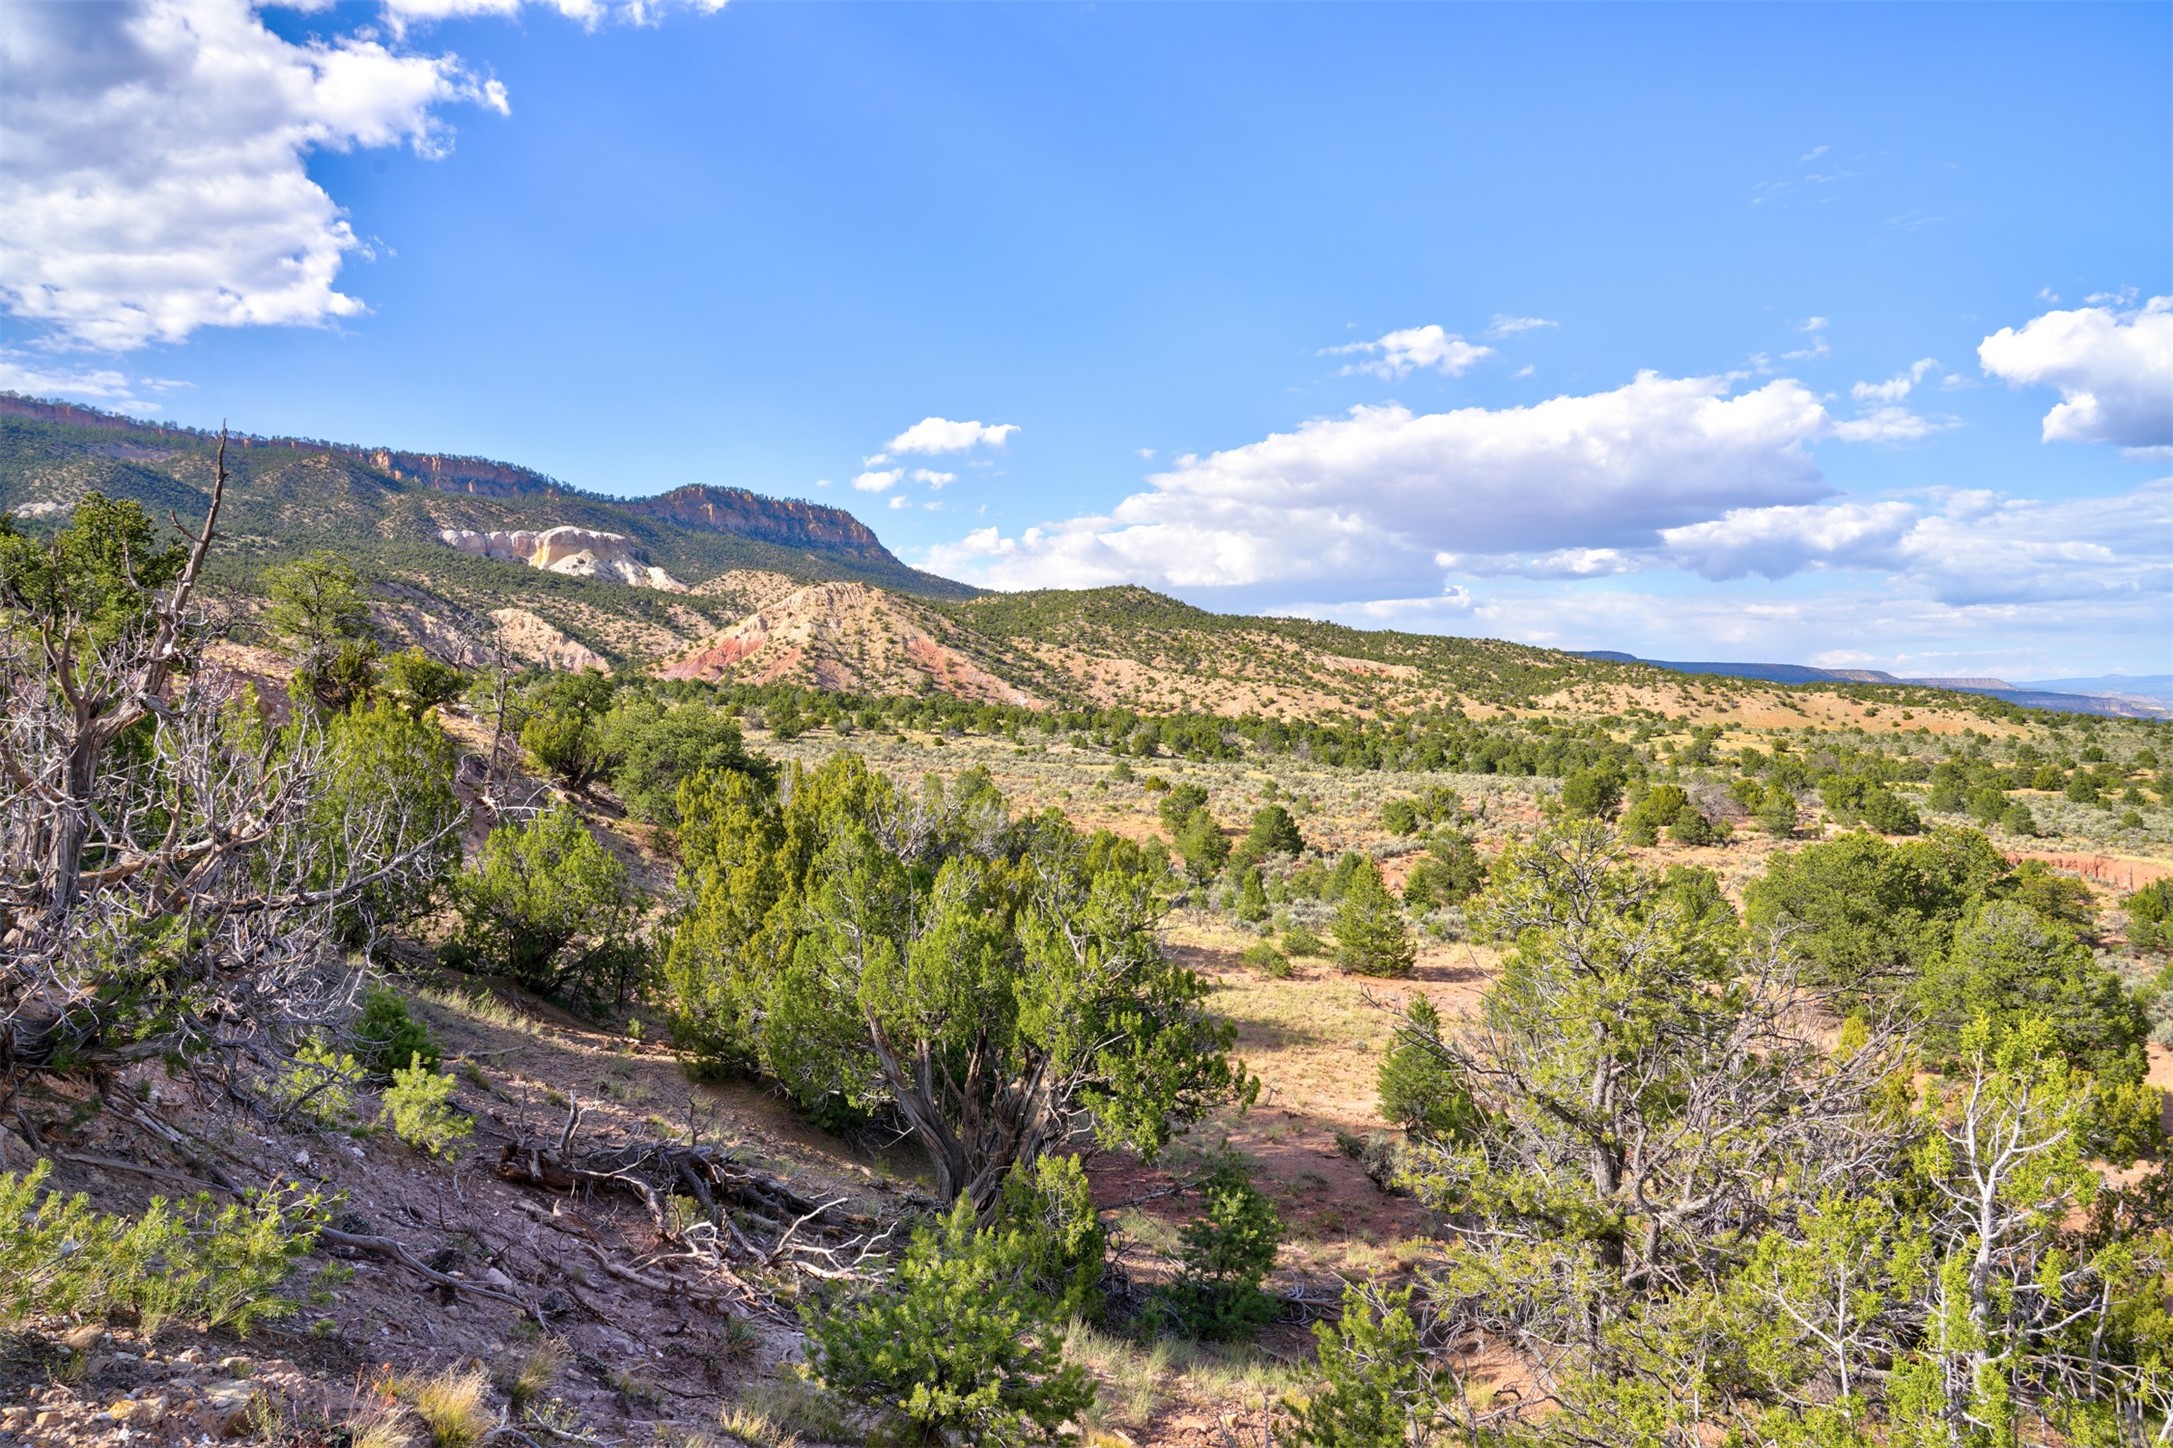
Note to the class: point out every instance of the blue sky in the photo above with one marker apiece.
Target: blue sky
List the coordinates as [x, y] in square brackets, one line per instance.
[1816, 333]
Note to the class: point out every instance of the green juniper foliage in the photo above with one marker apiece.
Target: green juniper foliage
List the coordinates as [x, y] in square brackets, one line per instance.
[985, 979]
[548, 905]
[321, 612]
[1813, 1244]
[417, 1105]
[1052, 1232]
[1378, 1388]
[387, 1035]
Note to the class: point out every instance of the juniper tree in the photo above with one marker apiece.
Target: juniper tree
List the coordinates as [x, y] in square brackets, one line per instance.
[996, 984]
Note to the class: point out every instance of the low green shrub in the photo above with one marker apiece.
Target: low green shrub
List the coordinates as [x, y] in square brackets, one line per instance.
[387, 1035]
[954, 1346]
[1226, 1252]
[220, 1268]
[1300, 940]
[417, 1106]
[1055, 1235]
[1378, 1389]
[317, 1085]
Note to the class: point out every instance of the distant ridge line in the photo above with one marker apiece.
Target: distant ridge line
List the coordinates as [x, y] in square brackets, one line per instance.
[2119, 706]
[789, 521]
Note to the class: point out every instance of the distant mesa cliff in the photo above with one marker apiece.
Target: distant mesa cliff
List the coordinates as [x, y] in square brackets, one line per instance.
[773, 520]
[580, 552]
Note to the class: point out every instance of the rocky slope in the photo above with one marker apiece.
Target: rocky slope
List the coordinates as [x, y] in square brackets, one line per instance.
[848, 637]
[577, 552]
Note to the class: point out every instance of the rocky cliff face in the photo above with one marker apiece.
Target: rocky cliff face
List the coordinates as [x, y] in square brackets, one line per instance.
[581, 552]
[773, 520]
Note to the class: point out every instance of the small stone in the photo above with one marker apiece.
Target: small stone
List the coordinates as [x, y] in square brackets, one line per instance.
[497, 1279]
[301, 1159]
[141, 1412]
[83, 1337]
[234, 1367]
[49, 1418]
[225, 1409]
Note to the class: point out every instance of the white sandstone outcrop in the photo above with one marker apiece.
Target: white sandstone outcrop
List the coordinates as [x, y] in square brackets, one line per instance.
[581, 552]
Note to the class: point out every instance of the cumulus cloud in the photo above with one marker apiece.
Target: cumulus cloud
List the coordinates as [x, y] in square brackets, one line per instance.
[1378, 492]
[154, 157]
[1837, 624]
[932, 478]
[2113, 370]
[941, 435]
[876, 482]
[1967, 548]
[1398, 354]
[1779, 541]
[154, 179]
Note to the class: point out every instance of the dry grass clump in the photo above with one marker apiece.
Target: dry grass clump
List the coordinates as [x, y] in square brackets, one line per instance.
[526, 1378]
[453, 1405]
[385, 1424]
[785, 1412]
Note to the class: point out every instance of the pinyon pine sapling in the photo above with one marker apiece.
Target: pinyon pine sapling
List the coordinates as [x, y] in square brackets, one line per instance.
[956, 1343]
[1370, 935]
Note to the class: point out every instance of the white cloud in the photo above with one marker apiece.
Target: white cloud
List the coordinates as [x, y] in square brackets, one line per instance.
[154, 157]
[900, 500]
[1894, 389]
[941, 435]
[1375, 494]
[1890, 423]
[1397, 354]
[403, 13]
[155, 175]
[932, 478]
[1560, 563]
[1839, 624]
[1971, 548]
[106, 386]
[2113, 370]
[1779, 541]
[1507, 326]
[876, 482]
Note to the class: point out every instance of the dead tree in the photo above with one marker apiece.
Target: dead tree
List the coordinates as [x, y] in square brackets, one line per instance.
[171, 867]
